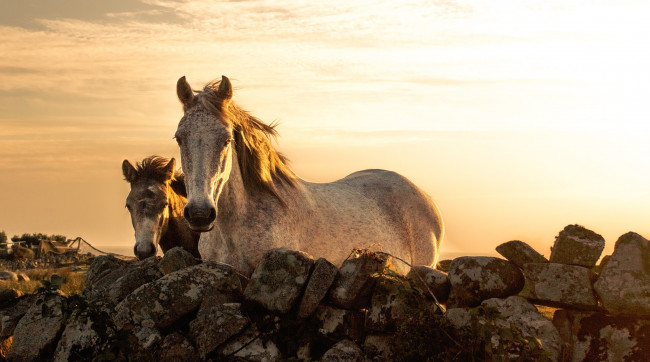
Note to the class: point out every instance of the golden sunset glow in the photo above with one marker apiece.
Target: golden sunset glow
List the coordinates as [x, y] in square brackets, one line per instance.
[518, 118]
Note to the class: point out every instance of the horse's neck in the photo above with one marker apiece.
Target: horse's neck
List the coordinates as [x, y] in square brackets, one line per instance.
[234, 201]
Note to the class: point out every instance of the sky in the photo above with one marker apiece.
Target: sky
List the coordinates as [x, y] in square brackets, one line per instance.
[518, 118]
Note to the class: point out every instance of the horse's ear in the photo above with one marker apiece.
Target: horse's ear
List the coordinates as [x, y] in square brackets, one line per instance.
[129, 171]
[225, 88]
[169, 169]
[184, 91]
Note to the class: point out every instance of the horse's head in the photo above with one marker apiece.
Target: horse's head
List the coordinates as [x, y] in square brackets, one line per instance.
[205, 137]
[148, 203]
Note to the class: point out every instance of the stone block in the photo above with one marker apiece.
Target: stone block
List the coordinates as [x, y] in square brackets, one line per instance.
[595, 336]
[395, 304]
[559, 285]
[344, 351]
[278, 279]
[477, 278]
[520, 253]
[429, 280]
[623, 285]
[174, 295]
[576, 245]
[215, 323]
[356, 278]
[37, 332]
[176, 259]
[320, 281]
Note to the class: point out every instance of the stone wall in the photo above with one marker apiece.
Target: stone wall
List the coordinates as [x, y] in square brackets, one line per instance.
[295, 307]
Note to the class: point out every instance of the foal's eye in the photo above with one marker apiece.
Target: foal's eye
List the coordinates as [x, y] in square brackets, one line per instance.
[227, 141]
[128, 207]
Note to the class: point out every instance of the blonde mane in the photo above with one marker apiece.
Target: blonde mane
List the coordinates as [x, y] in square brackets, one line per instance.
[260, 164]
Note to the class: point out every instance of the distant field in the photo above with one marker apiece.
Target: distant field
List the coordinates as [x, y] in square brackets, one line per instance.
[73, 281]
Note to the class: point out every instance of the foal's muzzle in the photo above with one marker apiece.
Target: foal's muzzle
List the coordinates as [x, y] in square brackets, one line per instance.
[143, 251]
[200, 218]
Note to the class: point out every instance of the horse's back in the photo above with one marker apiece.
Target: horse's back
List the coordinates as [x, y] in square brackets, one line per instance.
[408, 213]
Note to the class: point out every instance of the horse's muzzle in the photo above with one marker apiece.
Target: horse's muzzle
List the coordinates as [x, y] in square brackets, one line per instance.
[144, 251]
[200, 219]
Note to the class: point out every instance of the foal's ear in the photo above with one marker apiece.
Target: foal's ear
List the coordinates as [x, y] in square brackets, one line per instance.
[184, 91]
[225, 88]
[129, 171]
[169, 169]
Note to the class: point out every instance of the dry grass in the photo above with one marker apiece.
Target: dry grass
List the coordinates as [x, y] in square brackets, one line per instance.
[73, 281]
[546, 311]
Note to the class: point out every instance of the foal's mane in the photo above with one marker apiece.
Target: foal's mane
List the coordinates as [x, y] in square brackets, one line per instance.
[153, 167]
[260, 164]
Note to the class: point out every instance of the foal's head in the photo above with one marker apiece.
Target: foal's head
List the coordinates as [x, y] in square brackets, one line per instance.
[148, 202]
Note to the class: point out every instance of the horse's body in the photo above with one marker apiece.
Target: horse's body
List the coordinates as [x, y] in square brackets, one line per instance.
[231, 167]
[156, 203]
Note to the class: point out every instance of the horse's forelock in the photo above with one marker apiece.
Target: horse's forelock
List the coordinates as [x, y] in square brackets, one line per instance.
[153, 167]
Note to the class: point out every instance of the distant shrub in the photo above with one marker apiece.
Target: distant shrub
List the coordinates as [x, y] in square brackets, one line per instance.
[35, 238]
[3, 237]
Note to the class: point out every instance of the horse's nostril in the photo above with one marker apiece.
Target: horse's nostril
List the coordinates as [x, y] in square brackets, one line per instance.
[213, 214]
[186, 213]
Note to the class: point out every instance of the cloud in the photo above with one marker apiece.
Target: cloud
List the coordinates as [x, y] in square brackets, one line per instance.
[29, 13]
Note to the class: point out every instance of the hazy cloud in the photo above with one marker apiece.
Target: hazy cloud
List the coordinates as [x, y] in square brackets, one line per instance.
[29, 13]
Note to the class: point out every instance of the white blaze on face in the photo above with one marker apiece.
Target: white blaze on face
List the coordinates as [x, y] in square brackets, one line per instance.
[147, 234]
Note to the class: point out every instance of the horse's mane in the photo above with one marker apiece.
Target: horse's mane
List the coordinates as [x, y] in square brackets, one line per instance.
[260, 164]
[153, 167]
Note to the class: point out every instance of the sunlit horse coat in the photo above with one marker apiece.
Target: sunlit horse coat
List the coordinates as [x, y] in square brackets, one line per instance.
[245, 200]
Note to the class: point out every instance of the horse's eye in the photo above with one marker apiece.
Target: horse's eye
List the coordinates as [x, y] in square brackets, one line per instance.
[227, 141]
[128, 207]
[178, 140]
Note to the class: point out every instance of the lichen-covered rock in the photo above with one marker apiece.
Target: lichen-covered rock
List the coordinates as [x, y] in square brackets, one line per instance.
[343, 351]
[279, 278]
[250, 345]
[11, 314]
[477, 278]
[379, 347]
[559, 285]
[443, 265]
[594, 336]
[512, 328]
[354, 283]
[335, 323]
[174, 295]
[520, 253]
[215, 323]
[624, 283]
[395, 304]
[175, 347]
[140, 273]
[37, 331]
[576, 245]
[148, 337]
[101, 266]
[430, 280]
[176, 259]
[319, 283]
[83, 336]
